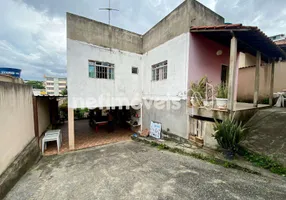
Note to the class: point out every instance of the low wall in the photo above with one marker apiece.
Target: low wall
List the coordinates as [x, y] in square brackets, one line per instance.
[30, 155]
[246, 79]
[17, 131]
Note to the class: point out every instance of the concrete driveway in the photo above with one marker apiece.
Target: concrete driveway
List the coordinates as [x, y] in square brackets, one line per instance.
[131, 170]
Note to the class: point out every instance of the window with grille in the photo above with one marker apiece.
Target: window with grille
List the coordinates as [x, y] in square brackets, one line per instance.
[101, 70]
[134, 70]
[160, 71]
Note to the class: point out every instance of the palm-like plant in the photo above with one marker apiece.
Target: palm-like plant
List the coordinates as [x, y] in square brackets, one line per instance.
[222, 91]
[198, 90]
[229, 133]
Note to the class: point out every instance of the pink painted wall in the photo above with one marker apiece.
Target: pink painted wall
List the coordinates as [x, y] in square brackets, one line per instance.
[204, 61]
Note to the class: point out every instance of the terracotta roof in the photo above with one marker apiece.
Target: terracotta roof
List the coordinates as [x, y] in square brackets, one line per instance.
[224, 26]
[281, 42]
[250, 39]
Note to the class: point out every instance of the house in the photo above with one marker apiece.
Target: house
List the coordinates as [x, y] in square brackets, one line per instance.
[109, 67]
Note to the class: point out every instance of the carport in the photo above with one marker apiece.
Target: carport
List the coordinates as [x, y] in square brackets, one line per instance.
[89, 133]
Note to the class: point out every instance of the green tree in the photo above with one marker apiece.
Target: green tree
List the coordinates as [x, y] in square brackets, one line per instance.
[36, 84]
[64, 92]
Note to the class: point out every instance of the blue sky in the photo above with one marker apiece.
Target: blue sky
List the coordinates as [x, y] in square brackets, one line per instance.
[33, 35]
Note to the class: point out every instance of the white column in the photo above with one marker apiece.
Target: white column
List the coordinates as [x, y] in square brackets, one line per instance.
[257, 79]
[271, 83]
[232, 73]
[71, 128]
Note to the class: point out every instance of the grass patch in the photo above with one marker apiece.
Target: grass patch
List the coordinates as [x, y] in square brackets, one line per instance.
[212, 160]
[265, 162]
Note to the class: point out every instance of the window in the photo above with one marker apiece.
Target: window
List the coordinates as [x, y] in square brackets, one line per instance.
[62, 84]
[159, 71]
[50, 88]
[62, 79]
[50, 93]
[134, 70]
[50, 83]
[101, 70]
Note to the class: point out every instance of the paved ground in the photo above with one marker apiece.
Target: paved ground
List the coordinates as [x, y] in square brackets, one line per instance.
[131, 170]
[268, 133]
[86, 137]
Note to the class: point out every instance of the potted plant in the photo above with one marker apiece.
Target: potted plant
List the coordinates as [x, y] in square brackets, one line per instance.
[228, 134]
[221, 97]
[197, 92]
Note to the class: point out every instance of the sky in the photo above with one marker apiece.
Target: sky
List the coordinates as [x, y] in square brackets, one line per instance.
[33, 32]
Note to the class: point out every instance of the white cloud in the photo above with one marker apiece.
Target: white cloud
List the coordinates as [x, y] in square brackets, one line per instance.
[31, 40]
[33, 35]
[209, 3]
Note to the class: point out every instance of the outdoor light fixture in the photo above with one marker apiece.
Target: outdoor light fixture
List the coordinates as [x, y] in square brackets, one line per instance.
[219, 53]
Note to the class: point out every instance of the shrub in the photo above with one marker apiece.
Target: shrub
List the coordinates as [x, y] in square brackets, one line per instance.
[229, 133]
[64, 110]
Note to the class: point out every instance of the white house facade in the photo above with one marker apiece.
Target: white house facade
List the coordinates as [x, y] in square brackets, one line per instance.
[111, 67]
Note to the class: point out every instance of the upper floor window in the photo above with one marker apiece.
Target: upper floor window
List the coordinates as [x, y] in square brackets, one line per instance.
[62, 79]
[101, 70]
[50, 83]
[159, 71]
[50, 79]
[134, 70]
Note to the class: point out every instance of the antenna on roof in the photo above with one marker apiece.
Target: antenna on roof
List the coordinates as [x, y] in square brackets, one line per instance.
[109, 9]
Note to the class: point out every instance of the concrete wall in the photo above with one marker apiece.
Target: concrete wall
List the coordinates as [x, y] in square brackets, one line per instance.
[43, 114]
[97, 33]
[189, 13]
[10, 79]
[99, 92]
[204, 60]
[22, 163]
[246, 80]
[175, 51]
[17, 123]
[173, 120]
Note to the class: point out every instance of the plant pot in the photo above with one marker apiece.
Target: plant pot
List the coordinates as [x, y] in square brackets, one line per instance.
[221, 103]
[206, 103]
[228, 154]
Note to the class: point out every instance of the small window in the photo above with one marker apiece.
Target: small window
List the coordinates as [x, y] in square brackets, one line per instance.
[160, 71]
[101, 70]
[134, 70]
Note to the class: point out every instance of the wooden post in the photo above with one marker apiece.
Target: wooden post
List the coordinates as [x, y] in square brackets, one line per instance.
[232, 73]
[36, 119]
[257, 79]
[271, 84]
[71, 128]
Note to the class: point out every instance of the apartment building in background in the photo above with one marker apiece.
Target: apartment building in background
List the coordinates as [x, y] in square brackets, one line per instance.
[54, 85]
